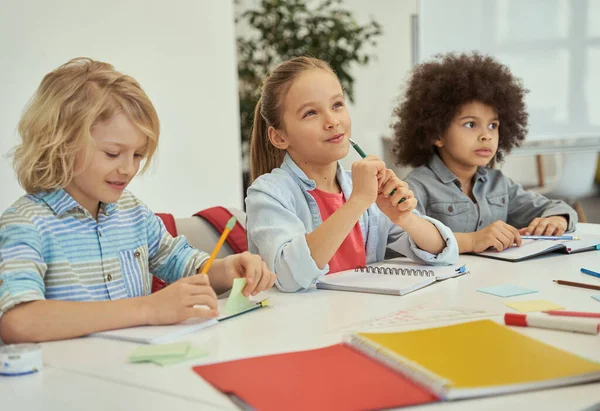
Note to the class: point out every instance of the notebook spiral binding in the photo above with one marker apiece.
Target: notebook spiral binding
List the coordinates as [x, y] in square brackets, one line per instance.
[395, 271]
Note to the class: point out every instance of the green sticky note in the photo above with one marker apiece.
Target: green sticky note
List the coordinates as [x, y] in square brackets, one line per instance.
[193, 352]
[159, 351]
[237, 302]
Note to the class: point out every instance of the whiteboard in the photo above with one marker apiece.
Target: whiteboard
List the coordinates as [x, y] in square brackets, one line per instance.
[553, 45]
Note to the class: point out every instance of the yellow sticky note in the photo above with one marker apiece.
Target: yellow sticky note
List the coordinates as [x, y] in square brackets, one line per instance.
[533, 305]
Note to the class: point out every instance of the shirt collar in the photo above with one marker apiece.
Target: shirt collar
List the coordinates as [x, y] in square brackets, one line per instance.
[437, 165]
[60, 202]
[290, 165]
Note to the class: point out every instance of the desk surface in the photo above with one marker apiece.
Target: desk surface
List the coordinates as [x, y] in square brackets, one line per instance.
[95, 372]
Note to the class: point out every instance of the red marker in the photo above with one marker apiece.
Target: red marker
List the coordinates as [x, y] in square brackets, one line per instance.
[578, 325]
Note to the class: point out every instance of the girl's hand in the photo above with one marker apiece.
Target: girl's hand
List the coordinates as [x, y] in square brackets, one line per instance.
[366, 176]
[253, 268]
[390, 203]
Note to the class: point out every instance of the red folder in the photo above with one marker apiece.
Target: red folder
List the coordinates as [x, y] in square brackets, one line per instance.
[331, 378]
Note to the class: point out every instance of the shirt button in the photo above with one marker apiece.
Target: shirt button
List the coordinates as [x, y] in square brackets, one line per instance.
[109, 277]
[136, 254]
[503, 200]
[450, 208]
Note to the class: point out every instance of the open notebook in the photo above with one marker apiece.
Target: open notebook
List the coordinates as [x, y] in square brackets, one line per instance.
[475, 359]
[158, 334]
[533, 248]
[398, 276]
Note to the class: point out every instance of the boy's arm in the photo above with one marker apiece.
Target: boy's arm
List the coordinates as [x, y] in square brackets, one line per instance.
[48, 320]
[171, 258]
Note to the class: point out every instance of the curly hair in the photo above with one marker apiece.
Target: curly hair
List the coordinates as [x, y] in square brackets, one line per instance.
[438, 89]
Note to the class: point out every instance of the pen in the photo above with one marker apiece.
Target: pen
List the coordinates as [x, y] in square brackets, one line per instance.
[564, 313]
[550, 237]
[260, 304]
[363, 155]
[580, 285]
[215, 251]
[590, 272]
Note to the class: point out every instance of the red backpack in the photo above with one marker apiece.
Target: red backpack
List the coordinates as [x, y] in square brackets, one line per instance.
[217, 217]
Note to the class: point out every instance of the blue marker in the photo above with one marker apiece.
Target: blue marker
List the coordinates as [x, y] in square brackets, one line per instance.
[550, 237]
[590, 272]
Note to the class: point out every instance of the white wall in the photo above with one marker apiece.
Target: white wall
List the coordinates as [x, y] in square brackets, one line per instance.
[183, 54]
[379, 86]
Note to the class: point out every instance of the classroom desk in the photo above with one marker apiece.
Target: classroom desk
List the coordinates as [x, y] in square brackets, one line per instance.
[94, 369]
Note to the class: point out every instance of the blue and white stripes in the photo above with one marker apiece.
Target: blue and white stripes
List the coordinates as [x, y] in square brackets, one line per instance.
[51, 248]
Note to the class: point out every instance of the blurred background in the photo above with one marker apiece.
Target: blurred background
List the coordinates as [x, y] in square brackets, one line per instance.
[202, 61]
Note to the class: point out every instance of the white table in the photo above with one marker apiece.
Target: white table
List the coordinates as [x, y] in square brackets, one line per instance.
[90, 370]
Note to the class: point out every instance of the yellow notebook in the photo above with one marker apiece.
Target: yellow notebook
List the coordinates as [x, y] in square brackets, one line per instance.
[475, 359]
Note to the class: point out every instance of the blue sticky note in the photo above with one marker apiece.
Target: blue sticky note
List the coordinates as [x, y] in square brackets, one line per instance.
[506, 290]
[596, 297]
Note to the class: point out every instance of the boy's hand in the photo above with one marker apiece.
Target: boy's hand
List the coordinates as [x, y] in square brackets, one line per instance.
[176, 302]
[366, 176]
[554, 225]
[253, 268]
[498, 235]
[390, 204]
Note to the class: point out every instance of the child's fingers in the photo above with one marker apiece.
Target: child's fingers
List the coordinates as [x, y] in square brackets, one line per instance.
[541, 227]
[506, 237]
[252, 267]
[265, 279]
[401, 192]
[201, 299]
[198, 279]
[515, 233]
[390, 186]
[200, 312]
[550, 229]
[387, 176]
[193, 289]
[408, 205]
[532, 226]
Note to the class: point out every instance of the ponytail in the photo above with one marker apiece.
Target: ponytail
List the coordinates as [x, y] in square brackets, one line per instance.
[264, 156]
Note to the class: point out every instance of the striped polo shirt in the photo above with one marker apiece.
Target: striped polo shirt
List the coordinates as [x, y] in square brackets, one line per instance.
[52, 248]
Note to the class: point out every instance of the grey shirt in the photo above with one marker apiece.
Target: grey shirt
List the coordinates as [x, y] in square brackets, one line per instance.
[440, 196]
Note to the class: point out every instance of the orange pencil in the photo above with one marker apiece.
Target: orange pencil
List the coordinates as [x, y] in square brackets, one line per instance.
[215, 251]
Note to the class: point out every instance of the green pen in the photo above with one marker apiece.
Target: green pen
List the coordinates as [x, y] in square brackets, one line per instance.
[363, 155]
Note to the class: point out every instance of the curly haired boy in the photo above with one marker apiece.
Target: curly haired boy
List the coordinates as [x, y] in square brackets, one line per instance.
[460, 115]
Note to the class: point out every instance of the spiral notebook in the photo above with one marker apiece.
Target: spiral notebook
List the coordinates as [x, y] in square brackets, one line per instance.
[398, 276]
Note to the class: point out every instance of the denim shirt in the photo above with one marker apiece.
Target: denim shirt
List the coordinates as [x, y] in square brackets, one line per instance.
[439, 193]
[281, 211]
